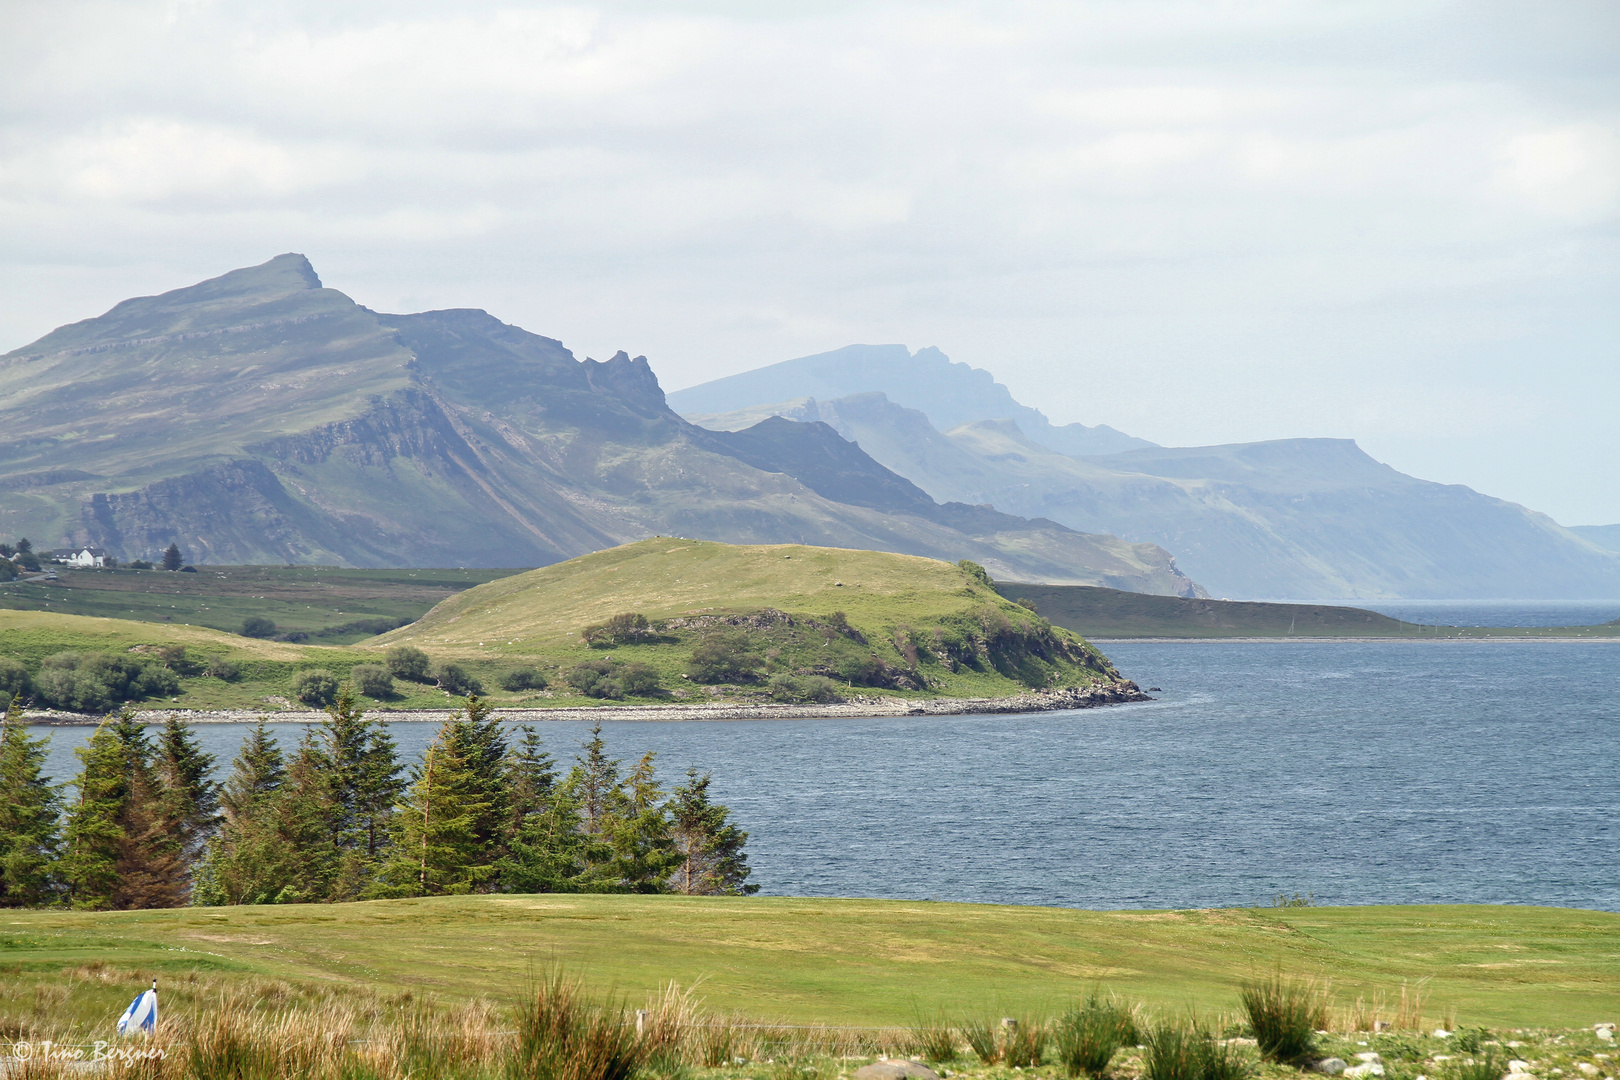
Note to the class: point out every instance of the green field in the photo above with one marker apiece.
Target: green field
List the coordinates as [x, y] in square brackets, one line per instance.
[865, 961]
[1110, 613]
[323, 602]
[823, 609]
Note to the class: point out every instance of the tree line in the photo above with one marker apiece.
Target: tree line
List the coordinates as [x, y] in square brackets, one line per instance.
[339, 817]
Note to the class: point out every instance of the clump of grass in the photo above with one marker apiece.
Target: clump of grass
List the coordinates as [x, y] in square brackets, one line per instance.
[1023, 1045]
[563, 1036]
[1186, 1053]
[1285, 1015]
[1484, 1067]
[981, 1039]
[934, 1040]
[715, 1043]
[1088, 1037]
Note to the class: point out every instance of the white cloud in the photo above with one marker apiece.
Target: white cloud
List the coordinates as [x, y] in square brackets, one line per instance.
[1312, 203]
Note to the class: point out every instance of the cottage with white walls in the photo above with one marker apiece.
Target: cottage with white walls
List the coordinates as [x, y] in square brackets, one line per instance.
[85, 558]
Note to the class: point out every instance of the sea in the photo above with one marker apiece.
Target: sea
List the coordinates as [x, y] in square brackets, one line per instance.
[1340, 772]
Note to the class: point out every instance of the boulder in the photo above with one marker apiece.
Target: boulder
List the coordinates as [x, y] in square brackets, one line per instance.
[895, 1069]
[1369, 1056]
[1520, 1067]
[1330, 1066]
[1441, 1033]
[1371, 1068]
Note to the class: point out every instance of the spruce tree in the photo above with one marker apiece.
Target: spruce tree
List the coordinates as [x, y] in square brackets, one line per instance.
[363, 776]
[299, 818]
[123, 846]
[191, 796]
[710, 848]
[644, 853]
[256, 774]
[531, 777]
[595, 779]
[548, 853]
[242, 862]
[29, 805]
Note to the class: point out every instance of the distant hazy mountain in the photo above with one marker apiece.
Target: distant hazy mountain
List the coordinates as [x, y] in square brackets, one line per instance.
[259, 417]
[1604, 536]
[947, 393]
[1297, 518]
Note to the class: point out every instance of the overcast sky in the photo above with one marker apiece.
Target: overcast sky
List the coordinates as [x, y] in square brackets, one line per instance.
[1212, 221]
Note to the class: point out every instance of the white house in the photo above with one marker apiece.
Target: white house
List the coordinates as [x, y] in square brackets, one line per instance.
[85, 558]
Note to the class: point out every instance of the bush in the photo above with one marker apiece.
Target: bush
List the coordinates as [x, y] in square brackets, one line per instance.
[725, 656]
[175, 659]
[524, 678]
[14, 680]
[1088, 1037]
[594, 678]
[976, 573]
[8, 569]
[315, 687]
[1175, 1053]
[861, 670]
[638, 680]
[625, 629]
[140, 564]
[1285, 1015]
[815, 689]
[222, 669]
[407, 662]
[253, 626]
[27, 560]
[94, 682]
[372, 680]
[454, 679]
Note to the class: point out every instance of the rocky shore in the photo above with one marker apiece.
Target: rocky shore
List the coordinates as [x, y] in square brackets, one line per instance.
[1090, 697]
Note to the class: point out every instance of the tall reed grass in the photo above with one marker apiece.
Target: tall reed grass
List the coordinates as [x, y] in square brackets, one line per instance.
[1088, 1036]
[1285, 1015]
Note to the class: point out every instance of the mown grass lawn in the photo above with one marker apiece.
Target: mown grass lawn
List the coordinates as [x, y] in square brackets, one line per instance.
[861, 961]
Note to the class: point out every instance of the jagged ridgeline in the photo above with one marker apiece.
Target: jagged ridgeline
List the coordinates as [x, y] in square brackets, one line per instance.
[853, 618]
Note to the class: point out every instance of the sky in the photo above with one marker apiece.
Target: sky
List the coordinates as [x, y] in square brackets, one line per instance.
[1198, 222]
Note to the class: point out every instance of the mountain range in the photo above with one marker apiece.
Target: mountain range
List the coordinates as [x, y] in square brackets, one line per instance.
[261, 417]
[1286, 519]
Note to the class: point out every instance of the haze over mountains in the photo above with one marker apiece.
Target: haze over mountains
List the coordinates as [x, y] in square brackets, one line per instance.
[260, 417]
[1288, 519]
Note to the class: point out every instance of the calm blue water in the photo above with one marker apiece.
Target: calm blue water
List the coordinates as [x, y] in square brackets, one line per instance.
[1363, 772]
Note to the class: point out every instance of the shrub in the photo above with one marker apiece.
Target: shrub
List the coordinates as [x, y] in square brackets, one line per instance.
[1026, 602]
[454, 679]
[174, 658]
[407, 662]
[94, 682]
[8, 569]
[725, 656]
[141, 564]
[256, 626]
[816, 689]
[638, 680]
[524, 678]
[372, 680]
[861, 670]
[1088, 1037]
[223, 669]
[623, 629]
[14, 680]
[608, 678]
[1285, 1015]
[976, 573]
[315, 687]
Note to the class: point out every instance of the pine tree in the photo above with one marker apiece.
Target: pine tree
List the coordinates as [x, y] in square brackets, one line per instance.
[191, 797]
[299, 816]
[643, 852]
[363, 774]
[595, 780]
[171, 557]
[29, 805]
[710, 848]
[243, 860]
[123, 848]
[531, 777]
[548, 853]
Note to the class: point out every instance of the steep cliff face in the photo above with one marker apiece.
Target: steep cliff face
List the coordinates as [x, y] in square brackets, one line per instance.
[261, 417]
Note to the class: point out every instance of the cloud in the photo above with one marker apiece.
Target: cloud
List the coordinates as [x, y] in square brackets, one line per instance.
[1226, 203]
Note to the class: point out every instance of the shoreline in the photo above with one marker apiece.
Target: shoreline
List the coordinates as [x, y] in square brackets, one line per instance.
[1034, 701]
[1414, 640]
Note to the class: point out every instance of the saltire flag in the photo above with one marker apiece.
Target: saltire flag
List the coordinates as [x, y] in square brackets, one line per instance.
[141, 1014]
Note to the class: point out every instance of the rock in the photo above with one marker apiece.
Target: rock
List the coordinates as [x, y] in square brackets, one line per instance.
[1516, 1066]
[895, 1069]
[1369, 1056]
[1371, 1068]
[1588, 1069]
[1441, 1033]
[1518, 1076]
[1330, 1066]
[1603, 1031]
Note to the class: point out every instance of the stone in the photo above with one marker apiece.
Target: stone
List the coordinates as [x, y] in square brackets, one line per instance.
[1518, 1076]
[1330, 1066]
[1371, 1068]
[1370, 1056]
[1441, 1033]
[1517, 1066]
[1588, 1069]
[896, 1069]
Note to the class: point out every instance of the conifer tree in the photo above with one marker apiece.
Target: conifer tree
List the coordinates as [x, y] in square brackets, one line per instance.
[548, 853]
[243, 860]
[531, 778]
[256, 774]
[643, 852]
[709, 846]
[362, 770]
[123, 848]
[29, 805]
[595, 780]
[191, 797]
[300, 814]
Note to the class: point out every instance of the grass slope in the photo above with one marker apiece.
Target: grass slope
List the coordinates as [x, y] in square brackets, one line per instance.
[887, 598]
[1110, 613]
[323, 602]
[867, 961]
[535, 618]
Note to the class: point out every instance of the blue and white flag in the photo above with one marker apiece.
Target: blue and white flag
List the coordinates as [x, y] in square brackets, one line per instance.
[141, 1014]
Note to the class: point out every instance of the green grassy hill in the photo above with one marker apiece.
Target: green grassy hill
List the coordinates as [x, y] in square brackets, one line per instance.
[874, 622]
[922, 616]
[846, 961]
